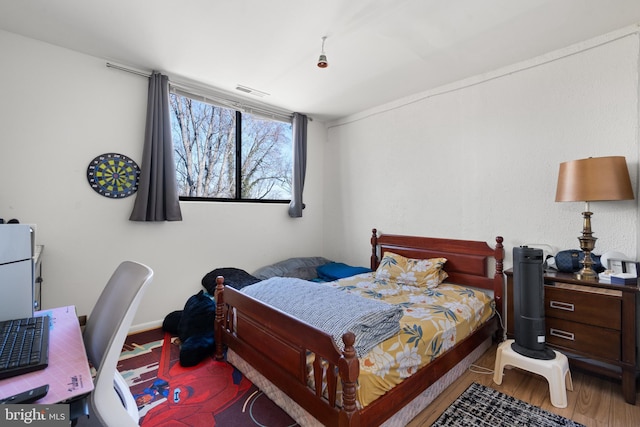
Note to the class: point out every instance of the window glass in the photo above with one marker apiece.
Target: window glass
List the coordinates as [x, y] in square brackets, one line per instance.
[224, 154]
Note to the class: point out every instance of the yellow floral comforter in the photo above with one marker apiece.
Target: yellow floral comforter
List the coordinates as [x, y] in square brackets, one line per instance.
[434, 320]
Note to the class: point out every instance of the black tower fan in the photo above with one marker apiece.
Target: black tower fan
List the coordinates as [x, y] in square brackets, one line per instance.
[528, 304]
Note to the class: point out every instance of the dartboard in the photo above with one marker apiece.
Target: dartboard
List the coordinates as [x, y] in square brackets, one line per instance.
[113, 175]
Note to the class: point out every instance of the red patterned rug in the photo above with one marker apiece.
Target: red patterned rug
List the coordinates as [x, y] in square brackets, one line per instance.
[210, 394]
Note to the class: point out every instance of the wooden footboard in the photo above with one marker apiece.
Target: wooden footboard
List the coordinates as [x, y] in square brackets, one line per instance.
[278, 345]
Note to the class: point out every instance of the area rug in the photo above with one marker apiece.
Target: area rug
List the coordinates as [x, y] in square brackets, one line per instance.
[483, 406]
[212, 393]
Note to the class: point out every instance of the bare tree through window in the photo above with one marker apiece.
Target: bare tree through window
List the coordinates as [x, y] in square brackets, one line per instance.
[211, 141]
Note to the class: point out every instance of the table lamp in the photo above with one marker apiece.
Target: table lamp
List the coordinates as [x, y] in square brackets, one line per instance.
[590, 180]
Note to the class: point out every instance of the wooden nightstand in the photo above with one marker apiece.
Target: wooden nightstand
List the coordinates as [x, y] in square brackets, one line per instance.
[592, 323]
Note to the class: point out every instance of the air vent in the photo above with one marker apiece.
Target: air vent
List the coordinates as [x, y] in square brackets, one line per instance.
[251, 91]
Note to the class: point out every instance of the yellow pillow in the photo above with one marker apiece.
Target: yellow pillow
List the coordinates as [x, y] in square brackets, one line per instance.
[410, 271]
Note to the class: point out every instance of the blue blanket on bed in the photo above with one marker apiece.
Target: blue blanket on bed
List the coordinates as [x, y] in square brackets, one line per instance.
[331, 310]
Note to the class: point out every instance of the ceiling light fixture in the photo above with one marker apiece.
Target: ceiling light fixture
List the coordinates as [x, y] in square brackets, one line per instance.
[322, 60]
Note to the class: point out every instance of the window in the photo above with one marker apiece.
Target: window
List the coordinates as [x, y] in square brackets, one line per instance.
[224, 154]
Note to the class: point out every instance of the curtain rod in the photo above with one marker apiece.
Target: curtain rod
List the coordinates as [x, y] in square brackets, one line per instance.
[128, 70]
[220, 98]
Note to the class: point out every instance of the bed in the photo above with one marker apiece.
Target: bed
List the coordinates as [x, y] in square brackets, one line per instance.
[273, 349]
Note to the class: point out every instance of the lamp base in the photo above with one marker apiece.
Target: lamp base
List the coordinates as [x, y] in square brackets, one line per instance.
[586, 274]
[587, 243]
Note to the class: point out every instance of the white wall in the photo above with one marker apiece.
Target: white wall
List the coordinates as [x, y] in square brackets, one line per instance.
[480, 158]
[470, 160]
[58, 110]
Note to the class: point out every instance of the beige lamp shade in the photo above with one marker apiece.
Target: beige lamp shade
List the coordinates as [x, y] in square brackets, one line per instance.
[594, 179]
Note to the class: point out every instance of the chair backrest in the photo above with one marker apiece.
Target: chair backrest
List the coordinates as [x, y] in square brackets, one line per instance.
[104, 335]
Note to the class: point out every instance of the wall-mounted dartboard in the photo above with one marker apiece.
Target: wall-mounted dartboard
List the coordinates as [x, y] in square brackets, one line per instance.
[113, 175]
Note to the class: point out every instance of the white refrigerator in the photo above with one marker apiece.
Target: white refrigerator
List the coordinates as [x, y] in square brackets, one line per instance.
[16, 271]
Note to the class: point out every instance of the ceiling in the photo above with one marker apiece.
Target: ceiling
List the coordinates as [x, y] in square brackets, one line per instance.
[378, 50]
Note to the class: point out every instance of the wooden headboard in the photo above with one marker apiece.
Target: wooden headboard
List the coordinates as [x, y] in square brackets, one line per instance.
[468, 261]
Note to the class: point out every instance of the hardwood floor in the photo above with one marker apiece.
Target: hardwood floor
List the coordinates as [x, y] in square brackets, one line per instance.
[594, 401]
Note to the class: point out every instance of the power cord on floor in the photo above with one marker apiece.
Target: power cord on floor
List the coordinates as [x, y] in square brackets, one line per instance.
[502, 325]
[480, 369]
[476, 369]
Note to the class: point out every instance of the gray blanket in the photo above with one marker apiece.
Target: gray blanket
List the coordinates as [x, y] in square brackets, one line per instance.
[331, 310]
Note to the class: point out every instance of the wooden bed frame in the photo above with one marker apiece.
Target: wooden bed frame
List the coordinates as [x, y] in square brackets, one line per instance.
[276, 344]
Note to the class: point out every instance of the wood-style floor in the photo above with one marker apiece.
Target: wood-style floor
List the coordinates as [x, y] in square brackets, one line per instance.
[594, 401]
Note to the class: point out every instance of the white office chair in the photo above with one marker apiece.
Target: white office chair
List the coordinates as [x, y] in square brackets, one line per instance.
[104, 335]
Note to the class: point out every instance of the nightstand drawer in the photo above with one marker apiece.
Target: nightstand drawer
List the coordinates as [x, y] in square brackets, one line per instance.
[583, 307]
[593, 340]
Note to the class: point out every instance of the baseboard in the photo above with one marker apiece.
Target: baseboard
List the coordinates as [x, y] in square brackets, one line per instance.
[145, 326]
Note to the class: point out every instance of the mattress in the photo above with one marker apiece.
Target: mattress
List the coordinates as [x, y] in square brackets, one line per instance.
[434, 320]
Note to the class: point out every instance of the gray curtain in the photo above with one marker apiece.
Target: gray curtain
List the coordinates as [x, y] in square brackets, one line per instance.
[157, 196]
[299, 164]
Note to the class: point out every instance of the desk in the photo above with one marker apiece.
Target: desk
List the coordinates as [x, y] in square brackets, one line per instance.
[68, 373]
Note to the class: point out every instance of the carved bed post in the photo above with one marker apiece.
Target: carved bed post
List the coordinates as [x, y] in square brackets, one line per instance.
[219, 322]
[349, 369]
[374, 247]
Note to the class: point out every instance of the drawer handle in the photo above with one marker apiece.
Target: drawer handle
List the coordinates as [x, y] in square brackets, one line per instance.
[561, 334]
[561, 305]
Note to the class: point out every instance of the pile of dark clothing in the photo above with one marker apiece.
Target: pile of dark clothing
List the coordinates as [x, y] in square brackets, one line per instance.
[194, 325]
